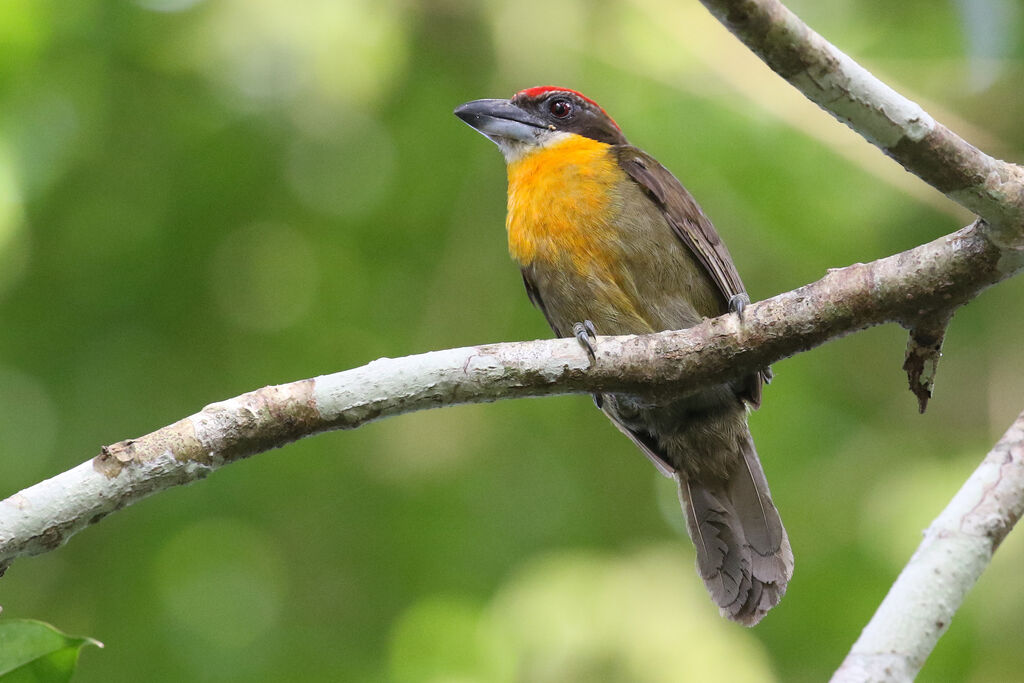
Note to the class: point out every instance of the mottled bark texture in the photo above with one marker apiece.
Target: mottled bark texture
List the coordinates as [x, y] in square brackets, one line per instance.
[960, 543]
[924, 348]
[899, 288]
[956, 549]
[990, 188]
[919, 289]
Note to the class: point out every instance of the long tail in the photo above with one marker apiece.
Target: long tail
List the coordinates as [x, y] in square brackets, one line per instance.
[743, 553]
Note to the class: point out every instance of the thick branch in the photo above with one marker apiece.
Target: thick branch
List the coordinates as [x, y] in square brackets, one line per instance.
[959, 545]
[988, 187]
[943, 273]
[956, 549]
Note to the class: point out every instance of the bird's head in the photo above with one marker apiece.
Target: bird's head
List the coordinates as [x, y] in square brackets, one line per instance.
[537, 117]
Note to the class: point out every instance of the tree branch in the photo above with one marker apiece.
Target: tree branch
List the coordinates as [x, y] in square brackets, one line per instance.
[959, 545]
[919, 289]
[942, 273]
[990, 188]
[956, 549]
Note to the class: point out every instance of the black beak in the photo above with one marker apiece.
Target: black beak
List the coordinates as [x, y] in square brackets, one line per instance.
[502, 119]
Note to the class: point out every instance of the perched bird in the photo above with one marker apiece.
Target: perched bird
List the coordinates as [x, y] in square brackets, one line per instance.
[610, 242]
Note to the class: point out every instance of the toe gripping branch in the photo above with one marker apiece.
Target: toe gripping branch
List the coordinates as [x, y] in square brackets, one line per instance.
[738, 303]
[586, 335]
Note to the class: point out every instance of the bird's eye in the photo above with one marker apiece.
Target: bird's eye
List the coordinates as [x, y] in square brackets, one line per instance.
[560, 108]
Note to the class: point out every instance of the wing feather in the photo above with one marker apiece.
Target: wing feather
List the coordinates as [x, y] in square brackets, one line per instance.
[694, 229]
[534, 293]
[685, 217]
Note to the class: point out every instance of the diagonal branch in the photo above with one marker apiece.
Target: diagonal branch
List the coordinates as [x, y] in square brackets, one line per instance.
[990, 188]
[956, 549]
[959, 545]
[919, 289]
[945, 272]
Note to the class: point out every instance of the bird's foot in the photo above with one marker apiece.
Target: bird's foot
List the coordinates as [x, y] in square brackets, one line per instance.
[738, 303]
[586, 335]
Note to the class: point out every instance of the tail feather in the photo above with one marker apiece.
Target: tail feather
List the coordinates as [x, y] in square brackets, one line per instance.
[743, 553]
[771, 555]
[708, 524]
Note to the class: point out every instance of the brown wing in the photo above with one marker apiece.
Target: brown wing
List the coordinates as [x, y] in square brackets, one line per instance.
[688, 222]
[693, 229]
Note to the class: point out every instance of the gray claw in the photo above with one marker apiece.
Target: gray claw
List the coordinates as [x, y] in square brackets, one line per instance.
[737, 303]
[586, 335]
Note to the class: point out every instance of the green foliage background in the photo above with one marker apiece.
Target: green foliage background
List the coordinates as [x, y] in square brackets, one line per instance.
[201, 198]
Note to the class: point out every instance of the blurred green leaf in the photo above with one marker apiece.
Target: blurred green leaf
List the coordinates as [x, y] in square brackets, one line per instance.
[33, 651]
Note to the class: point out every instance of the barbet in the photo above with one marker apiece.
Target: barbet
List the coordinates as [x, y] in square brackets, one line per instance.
[610, 242]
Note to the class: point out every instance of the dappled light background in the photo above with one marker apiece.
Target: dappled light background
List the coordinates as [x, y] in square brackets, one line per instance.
[199, 198]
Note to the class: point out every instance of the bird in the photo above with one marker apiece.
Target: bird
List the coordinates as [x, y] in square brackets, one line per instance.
[609, 242]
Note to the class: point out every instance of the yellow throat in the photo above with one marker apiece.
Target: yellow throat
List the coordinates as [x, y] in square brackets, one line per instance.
[560, 203]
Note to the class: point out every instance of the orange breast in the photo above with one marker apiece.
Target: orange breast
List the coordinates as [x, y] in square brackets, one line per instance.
[559, 205]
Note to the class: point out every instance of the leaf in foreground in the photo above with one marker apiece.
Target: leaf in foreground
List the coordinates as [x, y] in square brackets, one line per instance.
[33, 651]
